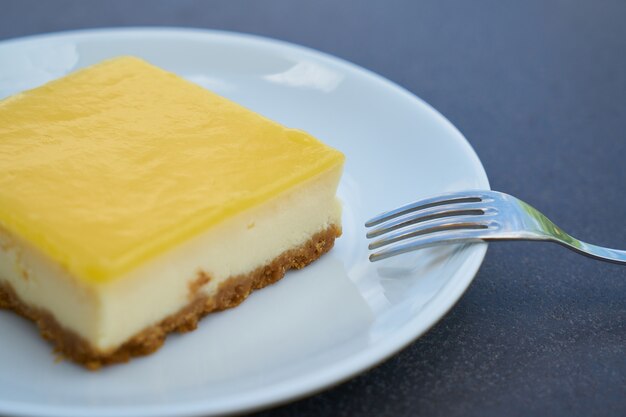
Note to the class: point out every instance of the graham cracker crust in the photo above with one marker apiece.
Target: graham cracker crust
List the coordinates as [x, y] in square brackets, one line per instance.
[230, 294]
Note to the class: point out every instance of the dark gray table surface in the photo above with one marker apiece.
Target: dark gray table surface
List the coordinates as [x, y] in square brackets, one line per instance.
[539, 89]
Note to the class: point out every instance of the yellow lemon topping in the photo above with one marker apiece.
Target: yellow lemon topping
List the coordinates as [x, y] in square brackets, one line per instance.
[114, 164]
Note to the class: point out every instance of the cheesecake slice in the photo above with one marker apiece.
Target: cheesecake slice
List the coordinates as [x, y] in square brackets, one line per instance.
[133, 202]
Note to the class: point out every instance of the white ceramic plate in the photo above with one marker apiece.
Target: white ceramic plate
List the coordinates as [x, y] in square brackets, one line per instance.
[317, 326]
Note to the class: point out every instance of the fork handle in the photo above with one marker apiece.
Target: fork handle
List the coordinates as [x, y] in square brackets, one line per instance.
[593, 251]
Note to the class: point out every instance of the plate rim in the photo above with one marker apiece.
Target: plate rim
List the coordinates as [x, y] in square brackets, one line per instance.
[329, 376]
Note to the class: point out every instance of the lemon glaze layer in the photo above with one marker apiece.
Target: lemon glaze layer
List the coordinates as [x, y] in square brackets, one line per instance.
[110, 166]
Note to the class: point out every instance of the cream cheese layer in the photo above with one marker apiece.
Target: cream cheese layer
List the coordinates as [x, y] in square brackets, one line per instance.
[107, 314]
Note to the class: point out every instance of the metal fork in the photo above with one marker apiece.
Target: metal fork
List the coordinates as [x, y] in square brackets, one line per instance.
[470, 216]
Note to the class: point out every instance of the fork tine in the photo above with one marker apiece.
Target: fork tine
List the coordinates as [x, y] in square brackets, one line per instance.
[432, 239]
[430, 213]
[438, 200]
[432, 226]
